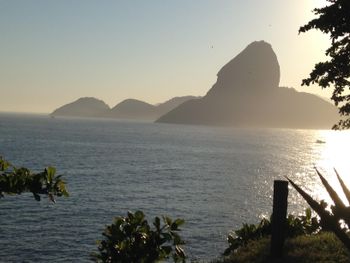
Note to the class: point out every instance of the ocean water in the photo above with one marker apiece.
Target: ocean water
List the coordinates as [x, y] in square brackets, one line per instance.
[214, 178]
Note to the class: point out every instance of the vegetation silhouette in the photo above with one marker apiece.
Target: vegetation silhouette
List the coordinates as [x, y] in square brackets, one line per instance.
[334, 20]
[14, 181]
[132, 239]
[296, 225]
[330, 220]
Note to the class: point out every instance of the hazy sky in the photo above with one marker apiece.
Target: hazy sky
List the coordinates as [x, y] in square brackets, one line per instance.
[53, 52]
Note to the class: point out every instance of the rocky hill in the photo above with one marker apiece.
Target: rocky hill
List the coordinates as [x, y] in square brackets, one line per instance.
[138, 110]
[129, 109]
[247, 94]
[134, 110]
[83, 107]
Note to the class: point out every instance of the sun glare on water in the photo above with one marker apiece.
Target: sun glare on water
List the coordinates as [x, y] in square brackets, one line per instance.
[334, 147]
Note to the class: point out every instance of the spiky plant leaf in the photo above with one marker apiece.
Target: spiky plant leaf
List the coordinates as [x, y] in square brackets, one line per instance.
[312, 203]
[328, 221]
[343, 186]
[333, 194]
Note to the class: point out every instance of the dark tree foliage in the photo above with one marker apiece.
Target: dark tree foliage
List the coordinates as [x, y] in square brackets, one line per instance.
[334, 20]
[19, 180]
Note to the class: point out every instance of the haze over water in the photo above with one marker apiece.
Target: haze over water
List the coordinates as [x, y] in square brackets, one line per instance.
[108, 58]
[54, 52]
[214, 178]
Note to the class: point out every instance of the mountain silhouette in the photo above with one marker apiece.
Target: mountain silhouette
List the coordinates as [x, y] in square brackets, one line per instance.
[247, 94]
[138, 110]
[167, 106]
[83, 107]
[133, 109]
[130, 109]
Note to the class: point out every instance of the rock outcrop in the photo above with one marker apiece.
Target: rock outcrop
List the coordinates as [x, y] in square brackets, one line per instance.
[247, 94]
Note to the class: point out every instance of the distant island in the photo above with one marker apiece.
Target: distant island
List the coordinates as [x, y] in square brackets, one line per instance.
[83, 107]
[129, 109]
[247, 94]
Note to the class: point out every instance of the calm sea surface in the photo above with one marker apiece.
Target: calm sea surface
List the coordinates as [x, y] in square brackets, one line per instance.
[214, 178]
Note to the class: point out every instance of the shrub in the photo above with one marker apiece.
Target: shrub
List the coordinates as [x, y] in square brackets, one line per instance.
[19, 180]
[131, 239]
[296, 225]
[321, 247]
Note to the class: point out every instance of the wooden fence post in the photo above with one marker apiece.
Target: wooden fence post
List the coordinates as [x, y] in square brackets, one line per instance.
[279, 215]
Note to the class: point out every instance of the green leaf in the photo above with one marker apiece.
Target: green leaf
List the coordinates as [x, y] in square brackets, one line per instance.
[308, 213]
[139, 215]
[156, 223]
[50, 173]
[130, 215]
[167, 220]
[167, 236]
[179, 222]
[167, 249]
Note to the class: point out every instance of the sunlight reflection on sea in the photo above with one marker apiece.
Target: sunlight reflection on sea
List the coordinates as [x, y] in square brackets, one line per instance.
[214, 178]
